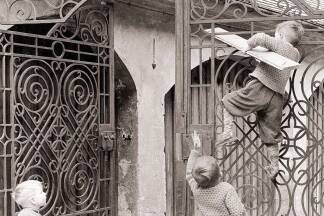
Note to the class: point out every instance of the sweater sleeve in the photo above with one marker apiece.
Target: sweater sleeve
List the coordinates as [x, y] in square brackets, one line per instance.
[234, 204]
[191, 161]
[264, 40]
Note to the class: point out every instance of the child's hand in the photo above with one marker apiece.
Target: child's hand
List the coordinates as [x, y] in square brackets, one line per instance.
[246, 48]
[196, 140]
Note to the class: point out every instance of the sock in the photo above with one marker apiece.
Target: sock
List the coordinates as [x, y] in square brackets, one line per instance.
[228, 121]
[228, 132]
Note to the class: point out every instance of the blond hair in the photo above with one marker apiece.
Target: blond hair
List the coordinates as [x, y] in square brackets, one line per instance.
[206, 171]
[292, 30]
[24, 191]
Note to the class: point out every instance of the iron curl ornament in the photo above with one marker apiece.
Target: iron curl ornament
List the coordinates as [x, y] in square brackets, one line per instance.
[89, 24]
[35, 11]
[239, 9]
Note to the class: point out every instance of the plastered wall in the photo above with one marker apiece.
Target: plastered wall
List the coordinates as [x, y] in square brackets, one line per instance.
[134, 31]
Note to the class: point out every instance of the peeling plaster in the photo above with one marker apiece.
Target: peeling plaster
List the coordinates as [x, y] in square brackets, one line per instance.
[124, 166]
[123, 208]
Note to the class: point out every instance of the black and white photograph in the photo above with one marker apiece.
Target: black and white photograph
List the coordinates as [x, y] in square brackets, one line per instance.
[161, 107]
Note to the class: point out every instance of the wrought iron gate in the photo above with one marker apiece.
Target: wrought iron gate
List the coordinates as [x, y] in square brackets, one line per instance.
[207, 69]
[57, 114]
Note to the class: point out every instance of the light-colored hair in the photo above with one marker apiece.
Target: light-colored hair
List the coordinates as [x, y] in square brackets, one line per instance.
[206, 171]
[24, 191]
[292, 30]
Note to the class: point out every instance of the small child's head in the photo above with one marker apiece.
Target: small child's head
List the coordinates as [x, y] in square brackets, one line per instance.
[206, 171]
[290, 31]
[29, 194]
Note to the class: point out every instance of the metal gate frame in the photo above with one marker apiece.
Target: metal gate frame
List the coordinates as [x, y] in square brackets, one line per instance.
[57, 119]
[302, 122]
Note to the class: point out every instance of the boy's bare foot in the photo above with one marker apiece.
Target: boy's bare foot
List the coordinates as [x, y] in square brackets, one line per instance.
[272, 171]
[273, 168]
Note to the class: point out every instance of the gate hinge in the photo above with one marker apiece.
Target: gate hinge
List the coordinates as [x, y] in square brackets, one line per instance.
[107, 140]
[181, 122]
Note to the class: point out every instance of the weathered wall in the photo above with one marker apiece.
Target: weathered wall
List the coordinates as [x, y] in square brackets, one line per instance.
[127, 142]
[134, 31]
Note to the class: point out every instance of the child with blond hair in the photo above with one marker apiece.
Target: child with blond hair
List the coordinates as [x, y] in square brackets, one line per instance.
[264, 93]
[212, 196]
[30, 196]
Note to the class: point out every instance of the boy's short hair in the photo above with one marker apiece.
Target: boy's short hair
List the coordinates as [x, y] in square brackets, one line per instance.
[23, 191]
[206, 171]
[293, 29]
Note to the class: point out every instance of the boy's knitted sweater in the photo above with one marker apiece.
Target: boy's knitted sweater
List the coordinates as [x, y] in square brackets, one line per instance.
[220, 200]
[269, 76]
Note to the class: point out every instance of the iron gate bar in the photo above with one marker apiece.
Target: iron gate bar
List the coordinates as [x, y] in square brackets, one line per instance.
[256, 19]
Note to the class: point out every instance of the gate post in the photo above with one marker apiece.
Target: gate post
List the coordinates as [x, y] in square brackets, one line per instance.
[180, 115]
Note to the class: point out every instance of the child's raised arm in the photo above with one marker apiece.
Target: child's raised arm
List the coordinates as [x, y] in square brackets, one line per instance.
[194, 154]
[264, 40]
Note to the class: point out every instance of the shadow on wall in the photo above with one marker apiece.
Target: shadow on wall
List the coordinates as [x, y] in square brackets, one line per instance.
[127, 140]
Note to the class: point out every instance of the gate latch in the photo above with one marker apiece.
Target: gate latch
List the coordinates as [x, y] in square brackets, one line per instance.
[107, 139]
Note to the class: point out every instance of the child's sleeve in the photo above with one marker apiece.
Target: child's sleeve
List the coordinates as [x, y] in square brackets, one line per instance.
[191, 161]
[264, 40]
[234, 204]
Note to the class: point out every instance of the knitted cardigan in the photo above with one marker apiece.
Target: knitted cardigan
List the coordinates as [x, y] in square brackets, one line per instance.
[220, 200]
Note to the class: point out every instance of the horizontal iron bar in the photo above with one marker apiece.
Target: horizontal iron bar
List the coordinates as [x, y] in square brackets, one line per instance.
[52, 38]
[105, 179]
[50, 48]
[256, 19]
[206, 124]
[87, 212]
[6, 190]
[209, 46]
[44, 21]
[53, 59]
[146, 7]
[200, 85]
[256, 31]
[311, 42]
[6, 156]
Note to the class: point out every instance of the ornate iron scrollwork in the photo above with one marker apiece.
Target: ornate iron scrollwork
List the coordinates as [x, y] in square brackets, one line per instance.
[34, 11]
[238, 9]
[51, 114]
[299, 187]
[89, 25]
